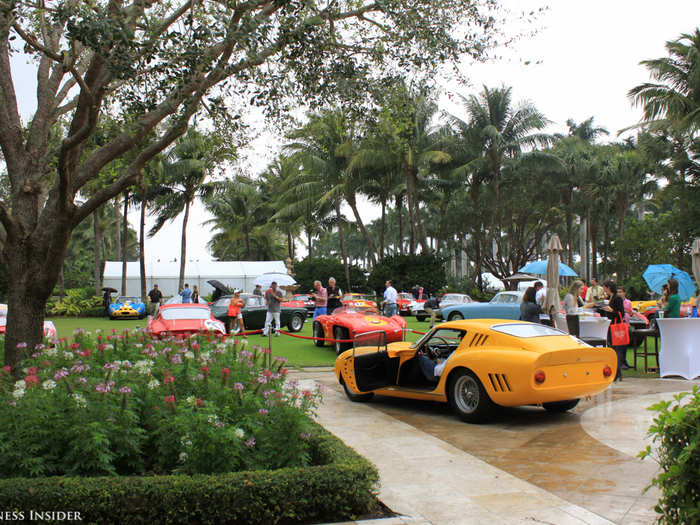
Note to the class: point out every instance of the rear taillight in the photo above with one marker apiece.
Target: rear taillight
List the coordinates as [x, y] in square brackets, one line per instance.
[539, 377]
[607, 371]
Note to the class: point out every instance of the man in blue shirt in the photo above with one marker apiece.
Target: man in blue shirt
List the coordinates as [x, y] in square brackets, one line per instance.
[186, 294]
[390, 297]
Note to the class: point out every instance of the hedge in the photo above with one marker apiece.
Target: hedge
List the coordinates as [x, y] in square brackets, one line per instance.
[340, 486]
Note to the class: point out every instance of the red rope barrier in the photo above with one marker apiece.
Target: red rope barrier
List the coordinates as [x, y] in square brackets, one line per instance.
[317, 338]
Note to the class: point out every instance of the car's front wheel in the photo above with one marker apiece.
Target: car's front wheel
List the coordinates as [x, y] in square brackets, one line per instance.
[455, 316]
[340, 333]
[560, 406]
[296, 323]
[352, 396]
[318, 334]
[468, 397]
[420, 318]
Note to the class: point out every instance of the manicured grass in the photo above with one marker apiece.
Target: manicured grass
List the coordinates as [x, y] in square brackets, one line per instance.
[300, 352]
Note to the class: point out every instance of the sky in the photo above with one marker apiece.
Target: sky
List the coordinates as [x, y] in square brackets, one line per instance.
[581, 63]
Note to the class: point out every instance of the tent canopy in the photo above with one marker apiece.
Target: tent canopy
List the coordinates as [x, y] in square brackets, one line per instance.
[236, 274]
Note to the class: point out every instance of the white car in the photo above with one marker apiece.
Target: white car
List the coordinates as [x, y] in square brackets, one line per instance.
[448, 299]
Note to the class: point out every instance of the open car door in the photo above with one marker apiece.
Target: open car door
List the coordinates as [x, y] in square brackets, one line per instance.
[371, 361]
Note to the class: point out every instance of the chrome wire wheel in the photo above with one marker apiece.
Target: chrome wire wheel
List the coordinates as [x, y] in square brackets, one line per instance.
[466, 394]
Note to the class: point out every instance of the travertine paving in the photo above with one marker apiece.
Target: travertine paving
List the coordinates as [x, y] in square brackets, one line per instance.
[527, 466]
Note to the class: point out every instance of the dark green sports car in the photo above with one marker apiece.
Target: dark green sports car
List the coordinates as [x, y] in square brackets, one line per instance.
[254, 313]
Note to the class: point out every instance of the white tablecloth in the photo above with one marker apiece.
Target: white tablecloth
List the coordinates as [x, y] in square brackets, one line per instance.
[679, 354]
[593, 327]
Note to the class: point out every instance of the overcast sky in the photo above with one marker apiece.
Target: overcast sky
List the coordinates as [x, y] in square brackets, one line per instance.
[581, 63]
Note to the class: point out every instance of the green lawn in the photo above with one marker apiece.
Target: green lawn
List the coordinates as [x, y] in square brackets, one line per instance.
[300, 352]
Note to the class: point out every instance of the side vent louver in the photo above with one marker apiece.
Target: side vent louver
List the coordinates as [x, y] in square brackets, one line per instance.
[478, 340]
[500, 383]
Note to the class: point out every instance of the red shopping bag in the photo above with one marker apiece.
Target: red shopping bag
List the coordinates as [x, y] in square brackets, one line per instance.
[620, 333]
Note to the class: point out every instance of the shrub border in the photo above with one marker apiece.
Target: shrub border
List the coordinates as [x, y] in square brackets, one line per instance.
[340, 486]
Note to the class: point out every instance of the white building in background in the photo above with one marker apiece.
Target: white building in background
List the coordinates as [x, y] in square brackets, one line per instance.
[235, 274]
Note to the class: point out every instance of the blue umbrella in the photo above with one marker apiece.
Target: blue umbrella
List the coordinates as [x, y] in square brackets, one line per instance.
[540, 268]
[657, 275]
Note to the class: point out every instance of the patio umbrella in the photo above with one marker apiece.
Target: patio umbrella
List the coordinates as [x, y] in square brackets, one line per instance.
[551, 302]
[695, 253]
[521, 277]
[540, 268]
[656, 275]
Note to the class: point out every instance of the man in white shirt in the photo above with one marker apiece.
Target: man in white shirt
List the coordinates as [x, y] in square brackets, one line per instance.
[540, 293]
[390, 297]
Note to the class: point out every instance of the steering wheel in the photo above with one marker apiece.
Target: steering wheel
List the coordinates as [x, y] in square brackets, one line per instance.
[429, 346]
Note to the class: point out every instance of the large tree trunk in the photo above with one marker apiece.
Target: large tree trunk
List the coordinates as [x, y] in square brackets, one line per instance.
[341, 239]
[311, 259]
[142, 247]
[117, 230]
[183, 246]
[125, 237]
[410, 175]
[97, 246]
[399, 209]
[422, 238]
[382, 229]
[290, 245]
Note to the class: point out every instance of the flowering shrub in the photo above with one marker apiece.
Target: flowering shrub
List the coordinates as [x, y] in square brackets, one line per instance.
[128, 404]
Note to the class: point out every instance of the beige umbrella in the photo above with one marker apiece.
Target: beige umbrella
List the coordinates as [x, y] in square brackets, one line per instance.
[553, 251]
[695, 253]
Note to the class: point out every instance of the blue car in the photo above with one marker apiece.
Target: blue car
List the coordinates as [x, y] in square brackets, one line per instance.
[127, 307]
[504, 305]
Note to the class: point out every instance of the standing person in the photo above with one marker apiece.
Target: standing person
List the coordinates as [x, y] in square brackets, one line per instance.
[596, 292]
[106, 301]
[389, 303]
[430, 306]
[615, 311]
[258, 290]
[273, 297]
[234, 312]
[334, 295]
[186, 294]
[540, 293]
[673, 306]
[415, 292]
[572, 300]
[195, 294]
[529, 309]
[320, 297]
[626, 303]
[156, 298]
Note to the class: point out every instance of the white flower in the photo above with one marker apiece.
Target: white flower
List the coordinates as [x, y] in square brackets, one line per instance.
[80, 400]
[68, 355]
[153, 383]
[205, 356]
[189, 355]
[183, 456]
[20, 384]
[49, 384]
[51, 351]
[143, 366]
[191, 400]
[18, 392]
[239, 433]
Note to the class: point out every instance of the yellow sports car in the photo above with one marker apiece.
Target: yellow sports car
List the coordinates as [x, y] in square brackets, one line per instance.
[643, 306]
[476, 364]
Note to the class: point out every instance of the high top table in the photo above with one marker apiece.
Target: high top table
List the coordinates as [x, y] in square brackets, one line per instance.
[679, 354]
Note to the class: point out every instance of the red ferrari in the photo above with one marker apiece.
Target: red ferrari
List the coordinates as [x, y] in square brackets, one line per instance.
[183, 320]
[349, 322]
[404, 302]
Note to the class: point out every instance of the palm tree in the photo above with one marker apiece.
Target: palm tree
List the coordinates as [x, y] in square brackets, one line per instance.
[186, 168]
[674, 100]
[505, 132]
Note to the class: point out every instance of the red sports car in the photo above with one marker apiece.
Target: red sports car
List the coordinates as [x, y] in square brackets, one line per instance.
[183, 320]
[653, 313]
[349, 322]
[358, 300]
[301, 301]
[404, 302]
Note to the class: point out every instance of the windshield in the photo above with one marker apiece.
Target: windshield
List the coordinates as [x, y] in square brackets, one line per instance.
[357, 297]
[355, 310]
[406, 296]
[127, 299]
[527, 330]
[506, 298]
[450, 336]
[454, 298]
[174, 314]
[300, 298]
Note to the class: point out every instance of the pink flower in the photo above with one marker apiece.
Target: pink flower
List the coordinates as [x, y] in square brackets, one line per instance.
[125, 390]
[250, 442]
[7, 369]
[205, 370]
[225, 372]
[195, 346]
[199, 402]
[238, 386]
[263, 411]
[74, 346]
[31, 379]
[169, 399]
[168, 379]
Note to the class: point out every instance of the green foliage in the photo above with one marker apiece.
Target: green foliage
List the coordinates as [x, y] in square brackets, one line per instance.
[676, 430]
[78, 302]
[339, 486]
[321, 269]
[425, 269]
[127, 404]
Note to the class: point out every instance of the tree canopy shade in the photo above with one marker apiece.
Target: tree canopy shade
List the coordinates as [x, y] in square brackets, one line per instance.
[151, 65]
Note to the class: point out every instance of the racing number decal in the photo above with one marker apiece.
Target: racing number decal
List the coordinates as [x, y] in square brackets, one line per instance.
[378, 321]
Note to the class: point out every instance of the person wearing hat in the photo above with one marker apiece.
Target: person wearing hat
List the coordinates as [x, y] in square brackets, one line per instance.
[156, 298]
[234, 312]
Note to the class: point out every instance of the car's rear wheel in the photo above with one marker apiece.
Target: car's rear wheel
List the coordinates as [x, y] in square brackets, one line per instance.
[455, 316]
[318, 333]
[468, 397]
[340, 333]
[420, 318]
[296, 323]
[560, 406]
[352, 396]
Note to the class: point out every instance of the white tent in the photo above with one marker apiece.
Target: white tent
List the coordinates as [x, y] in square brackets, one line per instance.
[236, 274]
